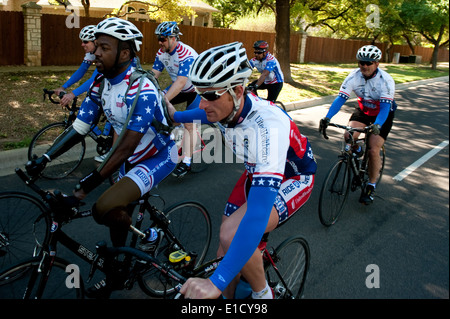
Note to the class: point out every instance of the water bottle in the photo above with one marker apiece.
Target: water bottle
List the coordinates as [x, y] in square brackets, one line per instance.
[150, 242]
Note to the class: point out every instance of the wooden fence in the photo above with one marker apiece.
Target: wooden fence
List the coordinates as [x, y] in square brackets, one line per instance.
[61, 46]
[11, 38]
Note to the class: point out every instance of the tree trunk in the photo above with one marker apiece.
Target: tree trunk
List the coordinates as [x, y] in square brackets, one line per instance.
[283, 37]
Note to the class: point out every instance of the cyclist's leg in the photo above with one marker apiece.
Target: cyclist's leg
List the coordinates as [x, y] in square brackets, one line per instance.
[273, 90]
[110, 208]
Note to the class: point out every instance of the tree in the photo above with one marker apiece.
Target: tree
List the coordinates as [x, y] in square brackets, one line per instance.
[429, 18]
[162, 10]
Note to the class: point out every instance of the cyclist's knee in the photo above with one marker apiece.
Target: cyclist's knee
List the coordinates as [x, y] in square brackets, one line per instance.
[116, 217]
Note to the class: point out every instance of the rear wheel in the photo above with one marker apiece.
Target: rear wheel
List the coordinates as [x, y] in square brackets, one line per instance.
[291, 258]
[64, 164]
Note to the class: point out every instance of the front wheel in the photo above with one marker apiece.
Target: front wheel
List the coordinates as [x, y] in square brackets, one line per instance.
[22, 281]
[23, 226]
[334, 192]
[292, 259]
[64, 164]
[191, 224]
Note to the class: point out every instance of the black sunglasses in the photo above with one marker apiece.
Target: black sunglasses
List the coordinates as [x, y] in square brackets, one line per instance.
[211, 95]
[162, 39]
[86, 42]
[259, 52]
[368, 63]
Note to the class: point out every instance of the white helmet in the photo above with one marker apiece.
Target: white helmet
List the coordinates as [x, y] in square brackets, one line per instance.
[87, 33]
[120, 29]
[369, 53]
[221, 67]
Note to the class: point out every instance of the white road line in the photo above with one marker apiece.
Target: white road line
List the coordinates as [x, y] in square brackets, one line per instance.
[411, 168]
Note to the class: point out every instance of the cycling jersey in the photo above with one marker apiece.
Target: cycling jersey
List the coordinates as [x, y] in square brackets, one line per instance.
[375, 95]
[80, 72]
[177, 63]
[116, 109]
[271, 64]
[273, 150]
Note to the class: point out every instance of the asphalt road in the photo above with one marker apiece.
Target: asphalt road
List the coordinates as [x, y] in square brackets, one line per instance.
[404, 235]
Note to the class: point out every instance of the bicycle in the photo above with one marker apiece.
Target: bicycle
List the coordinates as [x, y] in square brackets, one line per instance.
[184, 226]
[277, 103]
[286, 267]
[69, 161]
[205, 144]
[349, 172]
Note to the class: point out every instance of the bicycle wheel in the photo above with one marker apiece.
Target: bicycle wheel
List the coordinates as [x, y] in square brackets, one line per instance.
[280, 105]
[380, 174]
[334, 192]
[24, 277]
[205, 149]
[191, 225]
[291, 258]
[64, 164]
[23, 226]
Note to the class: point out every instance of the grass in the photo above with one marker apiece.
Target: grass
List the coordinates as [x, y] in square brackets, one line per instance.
[23, 112]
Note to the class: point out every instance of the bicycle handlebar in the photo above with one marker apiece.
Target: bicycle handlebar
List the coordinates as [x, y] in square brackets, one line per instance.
[347, 128]
[50, 93]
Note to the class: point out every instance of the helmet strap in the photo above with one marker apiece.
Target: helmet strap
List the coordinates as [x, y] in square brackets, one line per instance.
[237, 104]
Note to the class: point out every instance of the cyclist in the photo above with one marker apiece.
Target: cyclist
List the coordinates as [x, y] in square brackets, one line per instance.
[148, 155]
[271, 78]
[375, 90]
[87, 42]
[279, 163]
[177, 57]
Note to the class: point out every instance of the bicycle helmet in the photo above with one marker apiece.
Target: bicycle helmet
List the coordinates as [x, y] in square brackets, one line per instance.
[369, 53]
[167, 29]
[87, 33]
[120, 29]
[221, 67]
[224, 66]
[261, 45]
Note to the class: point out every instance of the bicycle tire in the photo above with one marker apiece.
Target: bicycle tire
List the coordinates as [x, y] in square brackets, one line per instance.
[334, 192]
[205, 149]
[64, 164]
[292, 259]
[191, 224]
[280, 105]
[15, 281]
[24, 226]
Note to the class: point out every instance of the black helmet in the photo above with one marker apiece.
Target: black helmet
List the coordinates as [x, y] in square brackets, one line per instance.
[261, 45]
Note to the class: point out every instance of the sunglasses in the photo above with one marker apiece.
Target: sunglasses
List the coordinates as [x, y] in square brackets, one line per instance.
[368, 63]
[259, 52]
[162, 39]
[86, 42]
[211, 95]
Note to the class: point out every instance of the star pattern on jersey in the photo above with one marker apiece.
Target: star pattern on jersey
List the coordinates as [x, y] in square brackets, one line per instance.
[266, 182]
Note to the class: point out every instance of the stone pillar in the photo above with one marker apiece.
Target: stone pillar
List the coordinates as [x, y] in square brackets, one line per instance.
[32, 28]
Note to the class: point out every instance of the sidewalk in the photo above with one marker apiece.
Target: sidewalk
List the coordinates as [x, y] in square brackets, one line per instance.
[9, 160]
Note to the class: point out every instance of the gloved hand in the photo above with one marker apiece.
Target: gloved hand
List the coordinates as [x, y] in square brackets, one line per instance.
[90, 181]
[323, 124]
[375, 129]
[36, 166]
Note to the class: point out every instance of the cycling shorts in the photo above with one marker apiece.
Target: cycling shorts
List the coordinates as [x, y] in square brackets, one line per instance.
[359, 116]
[150, 172]
[292, 195]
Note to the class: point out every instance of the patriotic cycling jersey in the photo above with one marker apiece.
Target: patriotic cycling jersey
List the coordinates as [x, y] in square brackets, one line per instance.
[116, 107]
[79, 73]
[380, 88]
[177, 63]
[273, 149]
[271, 64]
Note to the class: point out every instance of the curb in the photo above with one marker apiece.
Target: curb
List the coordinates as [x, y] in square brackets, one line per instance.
[9, 160]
